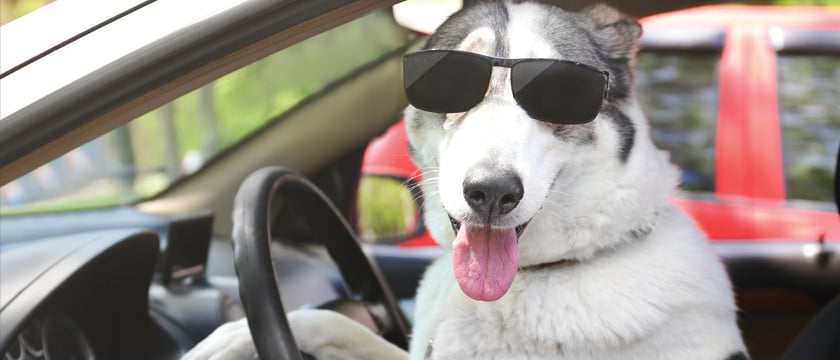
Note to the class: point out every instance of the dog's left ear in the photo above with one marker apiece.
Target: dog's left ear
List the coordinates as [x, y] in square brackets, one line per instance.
[618, 33]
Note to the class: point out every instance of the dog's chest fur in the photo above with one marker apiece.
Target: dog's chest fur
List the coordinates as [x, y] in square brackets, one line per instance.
[640, 301]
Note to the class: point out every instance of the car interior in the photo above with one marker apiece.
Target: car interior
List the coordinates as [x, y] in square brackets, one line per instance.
[267, 220]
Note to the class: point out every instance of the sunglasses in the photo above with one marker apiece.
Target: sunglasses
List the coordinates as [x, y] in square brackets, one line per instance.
[550, 90]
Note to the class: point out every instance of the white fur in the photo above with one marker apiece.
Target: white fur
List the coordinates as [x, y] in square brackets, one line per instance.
[640, 301]
[664, 296]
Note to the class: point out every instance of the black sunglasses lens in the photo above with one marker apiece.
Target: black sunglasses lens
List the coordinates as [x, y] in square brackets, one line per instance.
[558, 92]
[445, 82]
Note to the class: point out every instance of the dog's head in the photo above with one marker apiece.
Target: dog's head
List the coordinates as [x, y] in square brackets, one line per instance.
[507, 191]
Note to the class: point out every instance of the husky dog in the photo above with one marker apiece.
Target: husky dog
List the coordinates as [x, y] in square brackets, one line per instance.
[542, 184]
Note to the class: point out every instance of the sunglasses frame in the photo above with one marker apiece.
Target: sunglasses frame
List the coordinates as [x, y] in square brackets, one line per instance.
[510, 63]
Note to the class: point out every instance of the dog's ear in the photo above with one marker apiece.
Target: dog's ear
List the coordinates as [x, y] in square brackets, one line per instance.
[618, 33]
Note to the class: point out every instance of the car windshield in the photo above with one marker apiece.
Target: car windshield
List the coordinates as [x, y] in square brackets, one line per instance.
[151, 153]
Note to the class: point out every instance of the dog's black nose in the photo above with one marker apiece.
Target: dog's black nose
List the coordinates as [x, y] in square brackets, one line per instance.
[491, 191]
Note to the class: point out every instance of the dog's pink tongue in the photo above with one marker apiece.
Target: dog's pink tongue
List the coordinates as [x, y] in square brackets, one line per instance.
[485, 261]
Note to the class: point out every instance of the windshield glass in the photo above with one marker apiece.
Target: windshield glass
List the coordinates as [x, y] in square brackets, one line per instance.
[149, 154]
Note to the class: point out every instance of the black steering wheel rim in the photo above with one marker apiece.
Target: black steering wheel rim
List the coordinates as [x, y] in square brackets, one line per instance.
[253, 261]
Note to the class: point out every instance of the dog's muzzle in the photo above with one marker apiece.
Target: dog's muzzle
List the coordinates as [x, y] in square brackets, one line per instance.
[491, 192]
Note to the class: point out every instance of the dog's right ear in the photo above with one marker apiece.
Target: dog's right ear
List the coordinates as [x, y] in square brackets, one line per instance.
[618, 33]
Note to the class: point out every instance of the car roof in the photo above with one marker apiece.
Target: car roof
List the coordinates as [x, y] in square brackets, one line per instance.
[811, 17]
[68, 19]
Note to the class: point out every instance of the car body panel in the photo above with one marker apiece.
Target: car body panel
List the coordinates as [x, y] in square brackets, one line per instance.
[711, 17]
[748, 138]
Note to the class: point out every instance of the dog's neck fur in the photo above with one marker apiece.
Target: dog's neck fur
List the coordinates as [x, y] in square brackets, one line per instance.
[562, 263]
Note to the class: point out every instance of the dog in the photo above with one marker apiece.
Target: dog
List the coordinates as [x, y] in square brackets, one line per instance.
[543, 186]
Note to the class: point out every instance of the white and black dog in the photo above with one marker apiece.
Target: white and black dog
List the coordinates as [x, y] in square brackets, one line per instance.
[543, 185]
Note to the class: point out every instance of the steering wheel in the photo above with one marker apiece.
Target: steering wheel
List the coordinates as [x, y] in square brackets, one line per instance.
[277, 186]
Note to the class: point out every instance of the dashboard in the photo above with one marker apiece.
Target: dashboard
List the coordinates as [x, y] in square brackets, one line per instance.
[57, 336]
[147, 288]
[82, 296]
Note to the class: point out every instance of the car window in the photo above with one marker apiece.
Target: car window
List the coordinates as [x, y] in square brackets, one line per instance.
[809, 113]
[678, 92]
[148, 154]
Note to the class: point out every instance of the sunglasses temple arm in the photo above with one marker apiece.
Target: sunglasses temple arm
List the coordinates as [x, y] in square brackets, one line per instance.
[607, 88]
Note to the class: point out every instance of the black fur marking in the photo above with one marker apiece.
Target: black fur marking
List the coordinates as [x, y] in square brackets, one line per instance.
[621, 78]
[740, 355]
[580, 134]
[575, 40]
[552, 265]
[636, 234]
[641, 233]
[453, 31]
[411, 150]
[615, 40]
[569, 37]
[626, 129]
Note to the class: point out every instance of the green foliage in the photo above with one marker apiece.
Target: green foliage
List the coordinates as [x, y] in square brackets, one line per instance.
[238, 104]
[809, 114]
[808, 2]
[13, 9]
[678, 93]
[245, 100]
